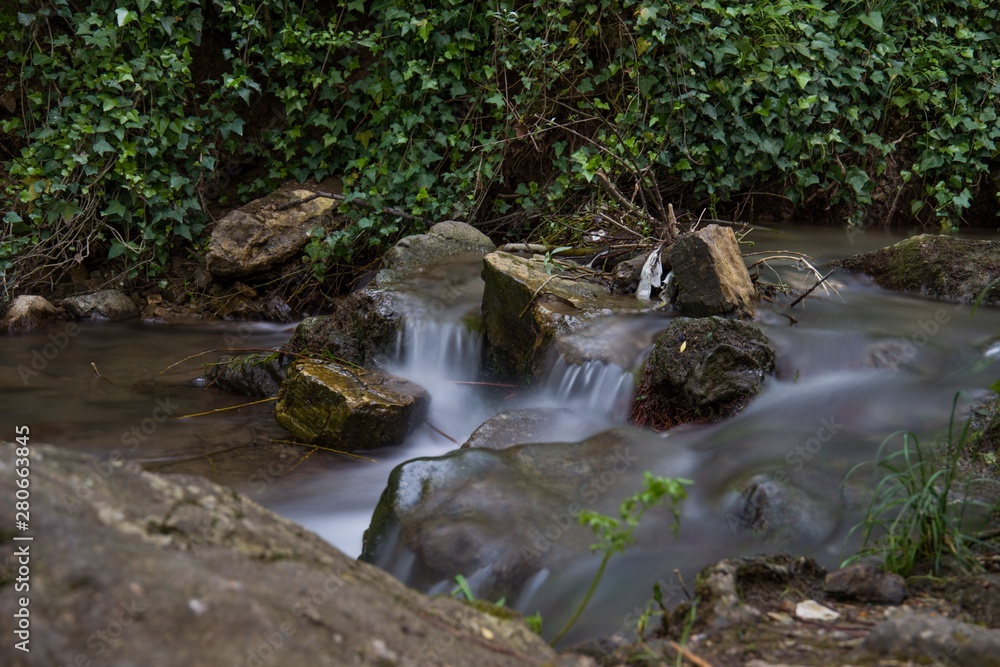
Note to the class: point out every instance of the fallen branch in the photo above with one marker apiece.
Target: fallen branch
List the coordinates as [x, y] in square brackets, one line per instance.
[689, 656]
[322, 449]
[606, 183]
[440, 432]
[230, 407]
[809, 291]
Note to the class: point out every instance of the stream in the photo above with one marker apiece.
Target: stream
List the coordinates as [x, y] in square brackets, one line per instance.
[858, 364]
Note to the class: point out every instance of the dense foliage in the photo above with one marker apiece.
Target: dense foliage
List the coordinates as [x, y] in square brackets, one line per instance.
[141, 111]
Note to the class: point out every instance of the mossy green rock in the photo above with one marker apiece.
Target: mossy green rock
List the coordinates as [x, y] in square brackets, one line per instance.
[334, 406]
[703, 369]
[526, 303]
[941, 267]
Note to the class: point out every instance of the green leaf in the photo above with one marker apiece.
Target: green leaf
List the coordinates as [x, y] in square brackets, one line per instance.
[101, 146]
[124, 16]
[873, 20]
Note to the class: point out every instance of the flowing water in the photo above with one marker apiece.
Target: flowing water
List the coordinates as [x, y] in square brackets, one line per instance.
[857, 365]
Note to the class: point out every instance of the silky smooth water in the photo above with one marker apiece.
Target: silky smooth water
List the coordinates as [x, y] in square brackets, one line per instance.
[860, 361]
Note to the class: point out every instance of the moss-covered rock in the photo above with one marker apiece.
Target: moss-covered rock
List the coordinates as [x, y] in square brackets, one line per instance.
[527, 302]
[334, 406]
[702, 369]
[941, 267]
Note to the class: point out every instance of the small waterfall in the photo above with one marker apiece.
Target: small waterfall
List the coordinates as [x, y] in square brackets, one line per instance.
[443, 358]
[595, 387]
[440, 349]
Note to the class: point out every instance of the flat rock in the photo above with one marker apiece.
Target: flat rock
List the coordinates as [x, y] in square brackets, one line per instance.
[348, 409]
[940, 267]
[915, 635]
[259, 236]
[866, 583]
[810, 610]
[710, 275]
[136, 568]
[104, 305]
[28, 311]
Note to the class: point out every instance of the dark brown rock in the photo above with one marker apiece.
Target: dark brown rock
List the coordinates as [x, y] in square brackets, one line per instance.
[865, 583]
[263, 234]
[702, 369]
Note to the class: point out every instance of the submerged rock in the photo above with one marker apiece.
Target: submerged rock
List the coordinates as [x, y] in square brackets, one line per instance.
[135, 568]
[936, 266]
[28, 311]
[702, 369]
[518, 427]
[503, 514]
[334, 406]
[710, 274]
[104, 305]
[258, 236]
[415, 253]
[527, 302]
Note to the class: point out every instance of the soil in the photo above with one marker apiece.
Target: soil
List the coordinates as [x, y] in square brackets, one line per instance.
[779, 638]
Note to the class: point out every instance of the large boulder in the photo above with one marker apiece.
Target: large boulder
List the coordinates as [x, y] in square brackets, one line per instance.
[710, 274]
[264, 234]
[702, 369]
[527, 302]
[27, 312]
[134, 568]
[104, 305]
[415, 253]
[507, 514]
[348, 409]
[941, 267]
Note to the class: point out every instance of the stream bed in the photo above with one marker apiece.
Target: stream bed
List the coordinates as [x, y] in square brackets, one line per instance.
[853, 367]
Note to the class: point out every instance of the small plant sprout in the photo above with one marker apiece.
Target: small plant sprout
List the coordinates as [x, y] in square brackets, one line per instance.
[616, 534]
